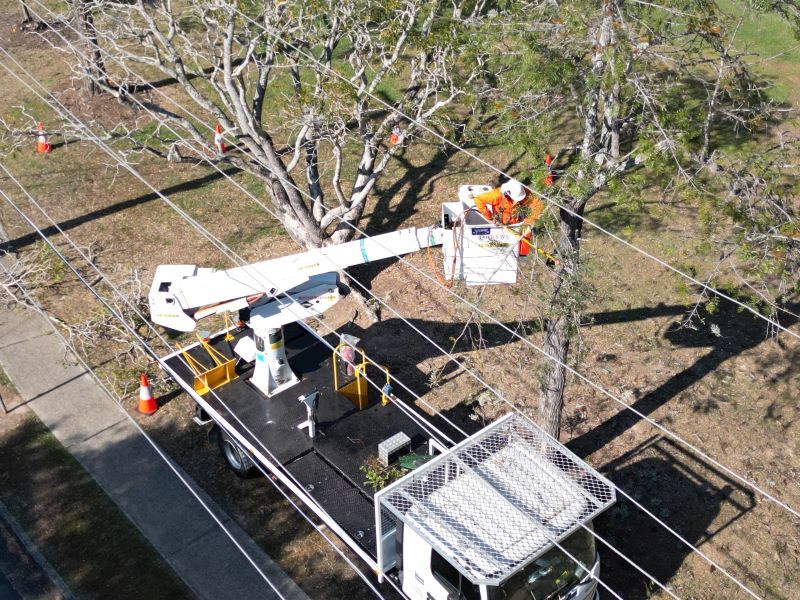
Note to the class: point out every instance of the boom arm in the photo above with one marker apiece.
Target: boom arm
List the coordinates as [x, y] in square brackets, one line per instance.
[182, 294]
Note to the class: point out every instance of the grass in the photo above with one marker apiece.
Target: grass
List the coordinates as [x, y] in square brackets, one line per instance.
[82, 533]
[778, 49]
[764, 33]
[6, 382]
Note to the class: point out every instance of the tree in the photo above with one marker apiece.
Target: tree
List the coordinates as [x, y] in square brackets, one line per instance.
[93, 64]
[261, 70]
[651, 87]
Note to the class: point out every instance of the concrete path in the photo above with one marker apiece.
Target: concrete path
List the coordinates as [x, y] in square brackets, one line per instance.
[93, 428]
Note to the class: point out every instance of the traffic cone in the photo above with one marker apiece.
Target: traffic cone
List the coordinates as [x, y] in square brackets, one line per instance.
[395, 137]
[147, 404]
[548, 179]
[42, 146]
[219, 144]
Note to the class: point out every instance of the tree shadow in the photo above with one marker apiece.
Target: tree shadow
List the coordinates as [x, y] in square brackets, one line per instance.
[30, 238]
[685, 492]
[739, 331]
[393, 343]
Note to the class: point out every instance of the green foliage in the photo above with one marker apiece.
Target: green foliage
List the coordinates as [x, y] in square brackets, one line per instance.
[6, 382]
[378, 478]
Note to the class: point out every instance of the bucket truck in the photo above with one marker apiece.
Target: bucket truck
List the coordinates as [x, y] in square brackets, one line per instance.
[504, 514]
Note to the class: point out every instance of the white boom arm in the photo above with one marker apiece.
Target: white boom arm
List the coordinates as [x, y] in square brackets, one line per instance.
[183, 294]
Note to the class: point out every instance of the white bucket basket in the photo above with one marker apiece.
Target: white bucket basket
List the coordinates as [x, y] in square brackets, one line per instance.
[477, 252]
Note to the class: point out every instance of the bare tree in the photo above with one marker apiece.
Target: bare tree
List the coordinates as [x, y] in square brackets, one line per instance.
[652, 87]
[262, 70]
[93, 64]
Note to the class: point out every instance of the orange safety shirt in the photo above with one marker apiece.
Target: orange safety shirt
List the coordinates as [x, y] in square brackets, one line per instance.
[494, 205]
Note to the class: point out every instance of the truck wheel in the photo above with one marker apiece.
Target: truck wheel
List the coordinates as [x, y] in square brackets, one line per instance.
[238, 461]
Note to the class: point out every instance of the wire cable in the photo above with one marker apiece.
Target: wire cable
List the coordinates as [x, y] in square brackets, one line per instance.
[555, 543]
[501, 396]
[456, 361]
[600, 538]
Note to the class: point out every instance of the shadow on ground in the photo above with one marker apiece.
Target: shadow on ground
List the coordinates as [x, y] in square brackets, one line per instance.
[739, 331]
[678, 488]
[67, 224]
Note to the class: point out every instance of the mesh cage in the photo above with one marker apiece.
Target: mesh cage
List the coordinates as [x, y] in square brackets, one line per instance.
[498, 500]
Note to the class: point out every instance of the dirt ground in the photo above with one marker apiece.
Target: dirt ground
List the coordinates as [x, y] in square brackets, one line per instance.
[726, 387]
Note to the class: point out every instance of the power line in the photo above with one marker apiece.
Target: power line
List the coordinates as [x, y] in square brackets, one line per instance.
[492, 390]
[597, 536]
[453, 358]
[547, 535]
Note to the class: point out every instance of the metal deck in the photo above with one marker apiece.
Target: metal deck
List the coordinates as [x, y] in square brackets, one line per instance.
[346, 437]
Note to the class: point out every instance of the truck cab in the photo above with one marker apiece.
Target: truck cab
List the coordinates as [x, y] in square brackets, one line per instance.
[552, 575]
[505, 515]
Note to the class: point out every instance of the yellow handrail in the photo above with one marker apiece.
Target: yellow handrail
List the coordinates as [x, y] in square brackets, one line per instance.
[356, 389]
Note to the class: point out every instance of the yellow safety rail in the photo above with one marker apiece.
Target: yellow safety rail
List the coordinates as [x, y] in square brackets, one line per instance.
[210, 378]
[356, 388]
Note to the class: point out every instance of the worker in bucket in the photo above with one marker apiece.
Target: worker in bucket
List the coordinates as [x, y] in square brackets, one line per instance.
[509, 204]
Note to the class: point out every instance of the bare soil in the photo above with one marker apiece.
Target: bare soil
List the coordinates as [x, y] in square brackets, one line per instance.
[730, 390]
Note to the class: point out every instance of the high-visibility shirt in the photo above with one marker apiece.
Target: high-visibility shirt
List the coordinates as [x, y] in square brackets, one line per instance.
[494, 205]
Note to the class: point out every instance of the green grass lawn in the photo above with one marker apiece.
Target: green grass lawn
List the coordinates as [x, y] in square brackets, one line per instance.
[777, 48]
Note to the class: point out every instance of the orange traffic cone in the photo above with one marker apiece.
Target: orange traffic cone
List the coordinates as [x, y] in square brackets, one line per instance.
[219, 144]
[395, 137]
[147, 404]
[42, 146]
[548, 179]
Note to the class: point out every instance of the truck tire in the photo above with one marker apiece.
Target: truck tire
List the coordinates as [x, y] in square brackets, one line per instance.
[237, 459]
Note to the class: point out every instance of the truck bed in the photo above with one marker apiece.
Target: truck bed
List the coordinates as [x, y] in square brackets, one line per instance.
[328, 467]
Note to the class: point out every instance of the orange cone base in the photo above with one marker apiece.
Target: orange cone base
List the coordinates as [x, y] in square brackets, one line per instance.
[43, 148]
[148, 406]
[548, 180]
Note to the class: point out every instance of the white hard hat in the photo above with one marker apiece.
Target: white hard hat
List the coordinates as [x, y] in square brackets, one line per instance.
[514, 190]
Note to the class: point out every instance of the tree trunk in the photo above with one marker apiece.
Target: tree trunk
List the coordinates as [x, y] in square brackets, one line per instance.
[564, 302]
[26, 14]
[93, 61]
[563, 319]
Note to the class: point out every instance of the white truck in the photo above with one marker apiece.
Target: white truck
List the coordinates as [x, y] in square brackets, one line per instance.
[507, 513]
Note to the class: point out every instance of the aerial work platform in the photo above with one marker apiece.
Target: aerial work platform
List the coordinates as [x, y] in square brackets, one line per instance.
[346, 436]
